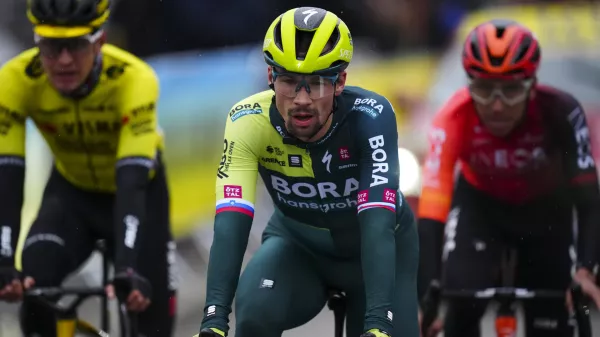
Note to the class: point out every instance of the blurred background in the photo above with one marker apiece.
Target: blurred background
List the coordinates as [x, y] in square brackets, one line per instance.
[208, 56]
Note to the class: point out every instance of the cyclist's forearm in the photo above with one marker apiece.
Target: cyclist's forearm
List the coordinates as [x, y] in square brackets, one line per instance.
[378, 253]
[431, 237]
[588, 235]
[130, 210]
[12, 178]
[230, 240]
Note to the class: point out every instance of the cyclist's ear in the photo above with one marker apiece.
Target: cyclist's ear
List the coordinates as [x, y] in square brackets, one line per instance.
[100, 42]
[341, 83]
[270, 76]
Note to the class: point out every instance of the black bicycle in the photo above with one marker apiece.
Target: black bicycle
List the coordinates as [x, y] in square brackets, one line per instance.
[68, 324]
[506, 296]
[506, 321]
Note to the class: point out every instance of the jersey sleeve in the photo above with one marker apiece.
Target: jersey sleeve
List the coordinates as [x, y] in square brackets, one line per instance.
[13, 90]
[238, 167]
[582, 177]
[437, 189]
[440, 162]
[139, 136]
[377, 138]
[235, 193]
[12, 113]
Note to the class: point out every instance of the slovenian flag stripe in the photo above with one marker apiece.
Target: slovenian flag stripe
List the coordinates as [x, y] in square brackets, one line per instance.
[369, 205]
[235, 205]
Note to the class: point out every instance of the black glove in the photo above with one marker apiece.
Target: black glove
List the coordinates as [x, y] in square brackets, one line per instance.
[127, 280]
[8, 274]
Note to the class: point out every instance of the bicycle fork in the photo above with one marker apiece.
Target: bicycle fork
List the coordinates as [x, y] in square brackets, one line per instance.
[506, 320]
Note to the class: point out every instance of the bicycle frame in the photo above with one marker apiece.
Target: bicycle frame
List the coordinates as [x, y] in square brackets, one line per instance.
[66, 316]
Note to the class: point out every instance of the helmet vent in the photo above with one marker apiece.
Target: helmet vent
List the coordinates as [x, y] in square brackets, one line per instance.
[277, 36]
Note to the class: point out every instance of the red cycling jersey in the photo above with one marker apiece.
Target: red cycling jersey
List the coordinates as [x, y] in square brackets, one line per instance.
[550, 148]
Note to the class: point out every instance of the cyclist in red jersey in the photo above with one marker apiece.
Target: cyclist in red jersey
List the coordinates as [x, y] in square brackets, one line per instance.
[509, 160]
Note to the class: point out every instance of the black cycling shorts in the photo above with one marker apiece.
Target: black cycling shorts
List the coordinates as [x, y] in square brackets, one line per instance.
[480, 228]
[63, 236]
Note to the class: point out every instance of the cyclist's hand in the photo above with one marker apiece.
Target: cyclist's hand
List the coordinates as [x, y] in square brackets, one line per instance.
[435, 328]
[11, 289]
[210, 332]
[587, 280]
[375, 333]
[131, 288]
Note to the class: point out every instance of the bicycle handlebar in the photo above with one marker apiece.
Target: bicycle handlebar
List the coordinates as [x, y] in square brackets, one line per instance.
[42, 294]
[64, 291]
[434, 294]
[507, 293]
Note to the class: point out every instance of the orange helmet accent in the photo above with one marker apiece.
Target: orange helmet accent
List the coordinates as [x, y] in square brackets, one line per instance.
[501, 49]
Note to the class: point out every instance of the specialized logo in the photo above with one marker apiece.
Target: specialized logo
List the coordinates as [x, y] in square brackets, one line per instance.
[309, 13]
[369, 106]
[323, 196]
[379, 157]
[327, 160]
[244, 109]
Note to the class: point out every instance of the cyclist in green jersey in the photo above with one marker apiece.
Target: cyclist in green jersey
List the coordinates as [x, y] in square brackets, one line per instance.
[328, 155]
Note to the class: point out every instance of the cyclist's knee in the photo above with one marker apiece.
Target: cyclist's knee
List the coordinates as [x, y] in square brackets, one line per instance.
[44, 257]
[250, 320]
[251, 324]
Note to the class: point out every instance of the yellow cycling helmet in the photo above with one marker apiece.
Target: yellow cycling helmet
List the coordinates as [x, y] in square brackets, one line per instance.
[308, 40]
[67, 18]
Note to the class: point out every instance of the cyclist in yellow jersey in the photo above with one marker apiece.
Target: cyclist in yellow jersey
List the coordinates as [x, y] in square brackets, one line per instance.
[95, 106]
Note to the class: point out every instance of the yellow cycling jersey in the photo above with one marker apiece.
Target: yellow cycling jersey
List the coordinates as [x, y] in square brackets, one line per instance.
[87, 136]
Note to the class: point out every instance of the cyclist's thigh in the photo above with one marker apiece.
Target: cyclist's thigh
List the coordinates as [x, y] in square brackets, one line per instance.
[545, 263]
[472, 252]
[280, 289]
[57, 244]
[58, 241]
[157, 261]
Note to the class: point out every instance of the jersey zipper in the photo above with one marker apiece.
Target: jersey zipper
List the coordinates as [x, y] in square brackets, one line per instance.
[81, 132]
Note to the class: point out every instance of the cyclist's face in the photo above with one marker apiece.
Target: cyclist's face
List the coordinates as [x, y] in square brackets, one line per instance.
[306, 101]
[500, 104]
[68, 62]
